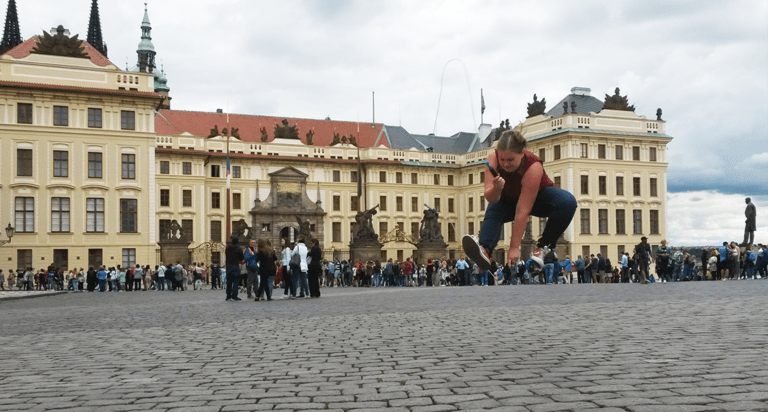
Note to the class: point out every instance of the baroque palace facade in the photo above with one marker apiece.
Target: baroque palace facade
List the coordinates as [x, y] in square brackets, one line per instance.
[97, 165]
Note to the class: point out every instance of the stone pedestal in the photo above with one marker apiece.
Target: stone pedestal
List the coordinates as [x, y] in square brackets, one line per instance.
[173, 252]
[426, 251]
[365, 251]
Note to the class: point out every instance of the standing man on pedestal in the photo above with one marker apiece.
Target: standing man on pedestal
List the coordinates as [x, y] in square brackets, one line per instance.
[751, 223]
[234, 256]
[643, 250]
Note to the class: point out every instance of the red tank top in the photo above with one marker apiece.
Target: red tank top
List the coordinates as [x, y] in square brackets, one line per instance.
[514, 180]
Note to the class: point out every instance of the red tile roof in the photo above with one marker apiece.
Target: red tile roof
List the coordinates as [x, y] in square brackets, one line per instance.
[188, 152]
[25, 49]
[78, 89]
[173, 122]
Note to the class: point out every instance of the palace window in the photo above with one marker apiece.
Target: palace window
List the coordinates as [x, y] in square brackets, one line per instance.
[215, 200]
[399, 204]
[215, 171]
[60, 116]
[237, 201]
[635, 152]
[652, 154]
[336, 203]
[399, 177]
[619, 185]
[128, 215]
[128, 166]
[383, 203]
[601, 151]
[60, 163]
[25, 214]
[602, 185]
[186, 198]
[654, 222]
[637, 222]
[620, 222]
[94, 215]
[383, 177]
[654, 187]
[236, 172]
[636, 186]
[165, 197]
[414, 178]
[60, 214]
[94, 165]
[337, 175]
[94, 118]
[165, 167]
[585, 224]
[584, 184]
[186, 168]
[602, 220]
[24, 113]
[127, 120]
[584, 150]
[557, 152]
[619, 152]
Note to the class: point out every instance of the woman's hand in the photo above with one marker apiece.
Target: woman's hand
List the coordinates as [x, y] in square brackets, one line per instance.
[513, 255]
[498, 183]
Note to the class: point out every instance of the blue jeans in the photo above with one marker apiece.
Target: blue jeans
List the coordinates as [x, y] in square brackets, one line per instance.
[304, 284]
[549, 271]
[102, 285]
[678, 273]
[555, 204]
[295, 278]
[51, 283]
[482, 278]
[75, 283]
[233, 281]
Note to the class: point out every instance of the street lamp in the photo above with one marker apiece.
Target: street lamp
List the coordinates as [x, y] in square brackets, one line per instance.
[9, 231]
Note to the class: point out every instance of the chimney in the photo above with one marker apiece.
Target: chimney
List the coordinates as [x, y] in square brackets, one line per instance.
[219, 110]
[581, 91]
[484, 131]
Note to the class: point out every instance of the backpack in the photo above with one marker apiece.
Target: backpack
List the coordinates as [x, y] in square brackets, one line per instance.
[679, 258]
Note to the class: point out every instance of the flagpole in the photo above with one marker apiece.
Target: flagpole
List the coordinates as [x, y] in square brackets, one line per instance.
[229, 188]
[359, 170]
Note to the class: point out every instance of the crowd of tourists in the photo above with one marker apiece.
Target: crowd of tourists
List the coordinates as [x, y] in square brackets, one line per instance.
[292, 271]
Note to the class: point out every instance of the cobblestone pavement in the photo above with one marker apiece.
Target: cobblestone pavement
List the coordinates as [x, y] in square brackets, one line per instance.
[636, 348]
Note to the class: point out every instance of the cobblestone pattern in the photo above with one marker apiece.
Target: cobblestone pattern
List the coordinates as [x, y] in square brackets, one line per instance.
[631, 348]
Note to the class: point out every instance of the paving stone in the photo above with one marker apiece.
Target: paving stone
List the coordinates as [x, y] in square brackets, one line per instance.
[422, 349]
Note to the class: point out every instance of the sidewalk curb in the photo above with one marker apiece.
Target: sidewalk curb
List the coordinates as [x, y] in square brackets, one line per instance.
[30, 296]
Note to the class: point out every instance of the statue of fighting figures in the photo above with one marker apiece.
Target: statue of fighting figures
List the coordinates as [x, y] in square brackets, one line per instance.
[173, 232]
[305, 228]
[430, 228]
[365, 232]
[241, 230]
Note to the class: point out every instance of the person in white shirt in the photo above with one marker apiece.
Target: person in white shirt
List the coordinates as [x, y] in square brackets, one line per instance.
[161, 277]
[285, 261]
[301, 251]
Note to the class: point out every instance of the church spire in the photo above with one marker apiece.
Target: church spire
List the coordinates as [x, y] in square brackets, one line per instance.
[146, 49]
[11, 35]
[94, 30]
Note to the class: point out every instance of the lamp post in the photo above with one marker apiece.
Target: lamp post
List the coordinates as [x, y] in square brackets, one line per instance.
[9, 231]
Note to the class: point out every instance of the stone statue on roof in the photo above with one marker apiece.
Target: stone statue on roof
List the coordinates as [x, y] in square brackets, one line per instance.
[264, 135]
[537, 107]
[60, 44]
[565, 107]
[352, 140]
[215, 131]
[336, 139]
[285, 131]
[310, 137]
[658, 113]
[235, 133]
[617, 102]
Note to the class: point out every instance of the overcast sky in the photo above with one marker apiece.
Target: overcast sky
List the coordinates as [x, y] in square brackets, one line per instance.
[704, 63]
